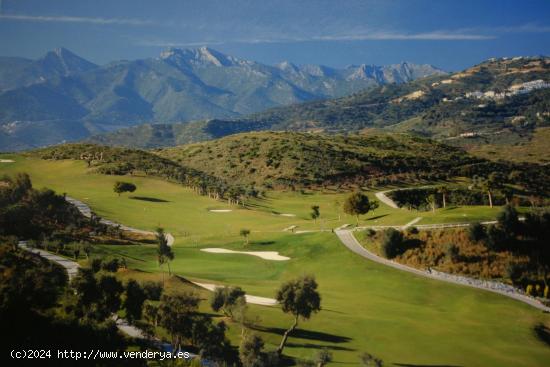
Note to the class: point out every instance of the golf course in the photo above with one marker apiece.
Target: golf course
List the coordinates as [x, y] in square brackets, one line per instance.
[404, 319]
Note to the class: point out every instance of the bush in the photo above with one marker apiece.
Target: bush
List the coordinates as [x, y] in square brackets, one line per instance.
[513, 271]
[496, 238]
[153, 290]
[370, 232]
[476, 232]
[95, 264]
[412, 230]
[508, 220]
[452, 252]
[111, 265]
[391, 243]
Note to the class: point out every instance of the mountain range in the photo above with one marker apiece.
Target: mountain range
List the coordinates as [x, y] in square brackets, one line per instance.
[62, 96]
[498, 106]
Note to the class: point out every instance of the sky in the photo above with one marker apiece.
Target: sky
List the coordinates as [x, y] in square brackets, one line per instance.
[450, 34]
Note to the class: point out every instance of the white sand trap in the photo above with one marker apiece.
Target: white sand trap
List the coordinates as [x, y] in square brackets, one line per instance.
[266, 255]
[220, 210]
[264, 301]
[6, 161]
[287, 215]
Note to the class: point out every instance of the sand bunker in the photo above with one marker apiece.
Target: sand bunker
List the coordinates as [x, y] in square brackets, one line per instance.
[220, 210]
[287, 215]
[6, 161]
[266, 255]
[249, 299]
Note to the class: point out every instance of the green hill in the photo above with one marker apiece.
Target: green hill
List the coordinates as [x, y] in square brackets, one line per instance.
[297, 159]
[243, 164]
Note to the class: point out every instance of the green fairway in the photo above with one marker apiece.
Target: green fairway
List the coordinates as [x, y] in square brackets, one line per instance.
[366, 306]
[403, 319]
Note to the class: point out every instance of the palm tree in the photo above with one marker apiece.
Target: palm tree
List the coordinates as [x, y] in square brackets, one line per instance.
[443, 190]
[164, 252]
[432, 201]
[245, 233]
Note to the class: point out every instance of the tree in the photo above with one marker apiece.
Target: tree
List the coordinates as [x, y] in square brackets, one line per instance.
[300, 298]
[337, 207]
[151, 313]
[496, 238]
[111, 289]
[443, 190]
[164, 252]
[368, 360]
[76, 251]
[357, 204]
[226, 298]
[245, 233]
[210, 339]
[508, 193]
[493, 181]
[476, 232]
[322, 357]
[315, 213]
[250, 351]
[508, 220]
[392, 241]
[133, 302]
[122, 187]
[432, 201]
[87, 248]
[176, 313]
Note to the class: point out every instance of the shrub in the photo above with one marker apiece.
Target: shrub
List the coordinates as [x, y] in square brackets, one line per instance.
[452, 252]
[391, 243]
[95, 264]
[111, 265]
[153, 290]
[513, 271]
[476, 232]
[370, 232]
[322, 357]
[496, 238]
[508, 220]
[412, 230]
[250, 351]
[121, 187]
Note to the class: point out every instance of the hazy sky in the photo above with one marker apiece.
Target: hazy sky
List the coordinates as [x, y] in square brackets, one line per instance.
[451, 34]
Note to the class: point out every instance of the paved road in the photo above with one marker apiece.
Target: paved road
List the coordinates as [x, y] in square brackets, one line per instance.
[87, 212]
[347, 238]
[69, 265]
[412, 222]
[72, 270]
[381, 195]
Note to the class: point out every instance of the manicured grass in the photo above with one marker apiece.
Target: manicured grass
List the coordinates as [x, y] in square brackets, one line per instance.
[367, 307]
[397, 316]
[180, 211]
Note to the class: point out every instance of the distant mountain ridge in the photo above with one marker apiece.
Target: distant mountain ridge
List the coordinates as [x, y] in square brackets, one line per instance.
[66, 97]
[498, 103]
[16, 72]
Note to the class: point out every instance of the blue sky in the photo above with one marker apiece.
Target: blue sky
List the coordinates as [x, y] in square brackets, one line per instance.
[449, 34]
